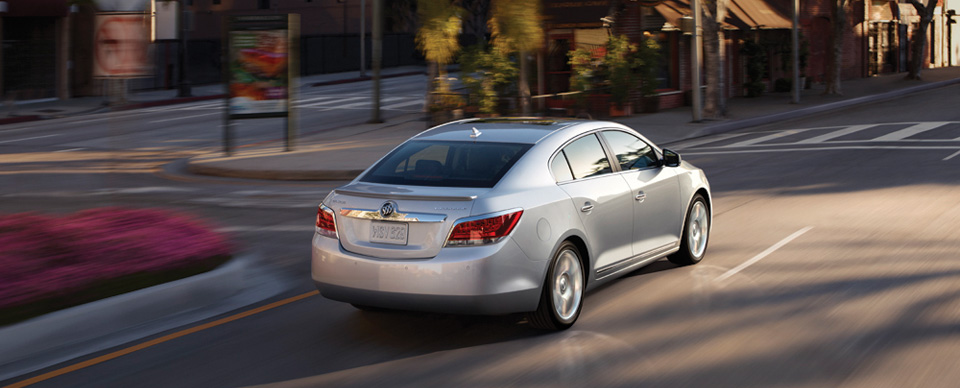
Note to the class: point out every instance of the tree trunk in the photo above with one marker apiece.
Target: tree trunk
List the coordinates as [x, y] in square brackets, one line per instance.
[713, 105]
[523, 85]
[835, 69]
[432, 68]
[920, 37]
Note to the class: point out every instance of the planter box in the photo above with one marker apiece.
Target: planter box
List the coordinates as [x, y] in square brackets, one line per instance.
[627, 110]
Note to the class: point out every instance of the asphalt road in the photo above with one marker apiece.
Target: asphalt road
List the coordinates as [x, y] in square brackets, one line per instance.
[832, 263]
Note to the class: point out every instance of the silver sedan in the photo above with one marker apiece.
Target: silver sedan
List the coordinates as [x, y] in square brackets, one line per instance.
[498, 216]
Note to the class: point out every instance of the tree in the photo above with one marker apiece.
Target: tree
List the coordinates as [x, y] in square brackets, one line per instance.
[714, 11]
[475, 20]
[835, 69]
[920, 36]
[437, 39]
[515, 26]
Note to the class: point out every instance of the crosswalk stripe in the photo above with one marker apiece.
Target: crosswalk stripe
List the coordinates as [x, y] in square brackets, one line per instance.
[761, 139]
[835, 134]
[402, 104]
[910, 131]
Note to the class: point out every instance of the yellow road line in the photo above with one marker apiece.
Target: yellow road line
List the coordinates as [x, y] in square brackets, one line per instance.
[157, 341]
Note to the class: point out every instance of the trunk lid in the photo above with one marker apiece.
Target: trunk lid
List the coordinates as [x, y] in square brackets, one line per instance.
[398, 222]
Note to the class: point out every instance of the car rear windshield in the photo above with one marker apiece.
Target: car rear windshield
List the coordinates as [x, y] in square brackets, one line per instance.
[447, 164]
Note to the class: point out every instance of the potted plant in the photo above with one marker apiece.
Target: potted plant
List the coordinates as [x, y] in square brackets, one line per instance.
[484, 70]
[621, 62]
[648, 67]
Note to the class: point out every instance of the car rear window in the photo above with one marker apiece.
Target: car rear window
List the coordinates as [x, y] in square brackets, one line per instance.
[447, 163]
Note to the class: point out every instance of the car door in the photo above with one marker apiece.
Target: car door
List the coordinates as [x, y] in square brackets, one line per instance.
[655, 190]
[600, 198]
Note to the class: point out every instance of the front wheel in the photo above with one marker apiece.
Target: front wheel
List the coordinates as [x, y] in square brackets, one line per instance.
[696, 233]
[562, 297]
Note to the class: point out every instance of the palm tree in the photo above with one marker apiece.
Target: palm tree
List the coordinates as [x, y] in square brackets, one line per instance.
[516, 26]
[714, 11]
[437, 39]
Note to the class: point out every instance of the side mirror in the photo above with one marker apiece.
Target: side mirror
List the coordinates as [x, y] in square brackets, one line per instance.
[670, 158]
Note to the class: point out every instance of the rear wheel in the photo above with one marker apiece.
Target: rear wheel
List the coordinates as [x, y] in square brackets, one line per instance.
[696, 233]
[562, 297]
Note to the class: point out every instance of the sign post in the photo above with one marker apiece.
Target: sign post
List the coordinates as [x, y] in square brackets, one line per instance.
[260, 72]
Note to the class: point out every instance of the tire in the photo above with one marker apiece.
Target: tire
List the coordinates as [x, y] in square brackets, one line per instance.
[696, 233]
[562, 297]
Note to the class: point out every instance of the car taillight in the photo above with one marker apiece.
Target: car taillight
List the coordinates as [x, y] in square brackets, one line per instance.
[326, 224]
[483, 231]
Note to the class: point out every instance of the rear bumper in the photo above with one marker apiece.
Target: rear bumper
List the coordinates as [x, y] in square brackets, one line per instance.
[492, 279]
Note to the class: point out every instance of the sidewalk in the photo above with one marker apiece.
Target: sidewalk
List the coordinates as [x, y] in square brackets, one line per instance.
[23, 111]
[344, 153]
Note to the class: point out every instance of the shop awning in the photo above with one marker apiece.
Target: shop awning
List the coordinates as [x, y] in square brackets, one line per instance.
[741, 14]
[575, 13]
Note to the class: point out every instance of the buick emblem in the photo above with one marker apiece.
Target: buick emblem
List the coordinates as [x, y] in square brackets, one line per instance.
[387, 209]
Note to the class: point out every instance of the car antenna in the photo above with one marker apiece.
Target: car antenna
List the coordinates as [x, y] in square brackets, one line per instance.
[475, 133]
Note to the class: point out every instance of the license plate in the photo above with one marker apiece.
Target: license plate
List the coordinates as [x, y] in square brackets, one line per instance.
[388, 233]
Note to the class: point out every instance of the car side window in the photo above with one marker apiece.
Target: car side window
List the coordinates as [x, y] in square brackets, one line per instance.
[632, 152]
[586, 157]
[560, 168]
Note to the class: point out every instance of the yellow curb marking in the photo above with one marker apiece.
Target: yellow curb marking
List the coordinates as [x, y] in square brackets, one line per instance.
[157, 341]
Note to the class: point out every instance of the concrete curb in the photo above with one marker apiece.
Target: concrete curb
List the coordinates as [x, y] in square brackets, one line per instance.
[359, 79]
[66, 334]
[279, 175]
[809, 111]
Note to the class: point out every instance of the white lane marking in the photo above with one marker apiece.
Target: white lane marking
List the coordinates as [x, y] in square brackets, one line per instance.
[364, 103]
[835, 134]
[707, 140]
[763, 254]
[306, 100]
[951, 156]
[274, 228]
[27, 138]
[910, 131]
[71, 150]
[729, 152]
[761, 139]
[181, 118]
[402, 104]
[322, 103]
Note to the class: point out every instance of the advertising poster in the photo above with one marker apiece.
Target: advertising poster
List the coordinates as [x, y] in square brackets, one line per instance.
[258, 72]
[122, 45]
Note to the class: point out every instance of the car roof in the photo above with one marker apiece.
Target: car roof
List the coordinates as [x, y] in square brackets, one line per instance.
[501, 130]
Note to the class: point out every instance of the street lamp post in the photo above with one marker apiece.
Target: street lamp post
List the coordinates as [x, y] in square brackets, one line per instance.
[795, 35]
[695, 50]
[183, 84]
[363, 38]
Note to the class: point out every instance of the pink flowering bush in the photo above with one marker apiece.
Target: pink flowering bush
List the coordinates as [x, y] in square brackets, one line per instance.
[44, 257]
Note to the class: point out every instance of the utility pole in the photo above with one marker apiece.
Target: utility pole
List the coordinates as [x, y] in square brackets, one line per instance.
[377, 59]
[695, 50]
[183, 84]
[795, 35]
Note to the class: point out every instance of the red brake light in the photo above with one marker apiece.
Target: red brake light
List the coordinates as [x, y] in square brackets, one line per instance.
[326, 224]
[484, 231]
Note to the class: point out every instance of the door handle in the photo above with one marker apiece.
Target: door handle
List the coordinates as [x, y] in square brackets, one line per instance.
[586, 207]
[640, 196]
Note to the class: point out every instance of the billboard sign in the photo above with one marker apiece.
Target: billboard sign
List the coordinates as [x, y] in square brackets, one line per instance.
[122, 45]
[260, 70]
